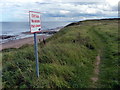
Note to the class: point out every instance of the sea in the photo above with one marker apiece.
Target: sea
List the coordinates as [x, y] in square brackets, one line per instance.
[17, 28]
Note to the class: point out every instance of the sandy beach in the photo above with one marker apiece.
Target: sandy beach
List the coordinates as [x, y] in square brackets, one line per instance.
[20, 42]
[17, 43]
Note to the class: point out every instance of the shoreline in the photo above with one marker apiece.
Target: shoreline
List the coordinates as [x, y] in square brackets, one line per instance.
[7, 37]
[20, 42]
[14, 42]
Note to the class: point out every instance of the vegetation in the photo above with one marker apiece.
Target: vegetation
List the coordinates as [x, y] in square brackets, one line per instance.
[67, 59]
[1, 71]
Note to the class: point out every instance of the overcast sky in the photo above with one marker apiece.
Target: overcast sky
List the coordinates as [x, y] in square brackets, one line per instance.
[58, 10]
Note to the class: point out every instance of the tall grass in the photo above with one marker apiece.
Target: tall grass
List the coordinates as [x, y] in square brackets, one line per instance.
[67, 59]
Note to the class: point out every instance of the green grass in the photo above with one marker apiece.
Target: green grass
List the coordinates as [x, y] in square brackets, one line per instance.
[67, 59]
[0, 70]
[109, 75]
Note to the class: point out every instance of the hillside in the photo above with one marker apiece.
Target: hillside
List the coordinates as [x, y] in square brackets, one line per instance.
[68, 60]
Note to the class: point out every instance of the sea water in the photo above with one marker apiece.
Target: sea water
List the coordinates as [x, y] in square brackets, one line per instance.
[16, 28]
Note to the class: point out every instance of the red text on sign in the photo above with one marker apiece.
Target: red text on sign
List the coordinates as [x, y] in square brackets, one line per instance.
[35, 16]
[33, 26]
[35, 21]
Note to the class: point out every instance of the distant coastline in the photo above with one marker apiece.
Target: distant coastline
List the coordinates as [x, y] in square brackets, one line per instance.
[12, 41]
[5, 38]
[19, 30]
[16, 41]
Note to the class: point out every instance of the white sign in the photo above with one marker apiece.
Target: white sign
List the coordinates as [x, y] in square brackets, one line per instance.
[35, 23]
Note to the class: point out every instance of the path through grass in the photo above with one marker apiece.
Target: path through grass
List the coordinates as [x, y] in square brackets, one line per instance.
[68, 59]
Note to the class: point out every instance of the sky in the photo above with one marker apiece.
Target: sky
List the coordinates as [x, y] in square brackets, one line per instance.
[58, 10]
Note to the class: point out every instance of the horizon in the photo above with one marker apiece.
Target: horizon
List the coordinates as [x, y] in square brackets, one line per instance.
[62, 21]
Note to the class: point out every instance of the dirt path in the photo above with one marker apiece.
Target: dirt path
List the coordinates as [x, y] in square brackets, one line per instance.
[96, 71]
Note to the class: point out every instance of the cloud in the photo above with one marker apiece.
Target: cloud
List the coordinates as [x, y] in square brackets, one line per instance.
[57, 9]
[64, 12]
[112, 2]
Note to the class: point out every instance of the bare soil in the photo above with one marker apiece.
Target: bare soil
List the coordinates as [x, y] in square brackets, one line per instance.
[96, 71]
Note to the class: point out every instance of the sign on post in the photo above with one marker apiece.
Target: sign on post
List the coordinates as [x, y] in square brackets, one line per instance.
[35, 26]
[35, 23]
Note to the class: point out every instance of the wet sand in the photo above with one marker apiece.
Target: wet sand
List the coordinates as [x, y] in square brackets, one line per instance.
[20, 42]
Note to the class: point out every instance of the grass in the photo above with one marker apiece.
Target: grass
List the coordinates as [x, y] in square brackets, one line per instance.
[67, 59]
[0, 70]
[110, 55]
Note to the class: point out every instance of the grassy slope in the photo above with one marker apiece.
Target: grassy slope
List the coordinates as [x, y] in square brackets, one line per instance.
[1, 71]
[67, 60]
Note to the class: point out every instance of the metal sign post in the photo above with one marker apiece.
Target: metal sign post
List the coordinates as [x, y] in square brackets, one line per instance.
[35, 27]
[36, 53]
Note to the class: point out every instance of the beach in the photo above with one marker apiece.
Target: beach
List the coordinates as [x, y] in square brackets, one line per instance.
[16, 41]
[17, 34]
[20, 42]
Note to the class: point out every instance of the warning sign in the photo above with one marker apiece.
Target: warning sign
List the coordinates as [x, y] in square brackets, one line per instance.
[35, 22]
